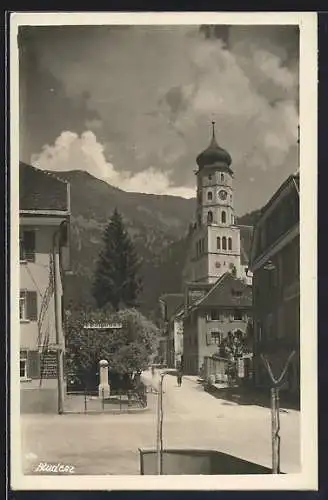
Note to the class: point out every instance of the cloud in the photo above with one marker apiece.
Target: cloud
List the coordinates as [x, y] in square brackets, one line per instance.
[73, 152]
[154, 90]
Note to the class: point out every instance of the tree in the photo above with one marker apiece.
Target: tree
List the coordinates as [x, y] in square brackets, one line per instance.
[128, 349]
[116, 281]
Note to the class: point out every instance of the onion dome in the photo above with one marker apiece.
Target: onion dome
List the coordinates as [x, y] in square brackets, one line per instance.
[214, 155]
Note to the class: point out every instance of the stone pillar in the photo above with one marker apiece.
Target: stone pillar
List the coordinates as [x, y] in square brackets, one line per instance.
[103, 388]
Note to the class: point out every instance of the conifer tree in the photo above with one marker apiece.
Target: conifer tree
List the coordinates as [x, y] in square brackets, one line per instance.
[116, 282]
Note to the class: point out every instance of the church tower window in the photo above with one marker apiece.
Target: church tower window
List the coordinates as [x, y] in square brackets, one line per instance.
[224, 243]
[223, 217]
[222, 177]
[218, 243]
[210, 196]
[209, 217]
[229, 244]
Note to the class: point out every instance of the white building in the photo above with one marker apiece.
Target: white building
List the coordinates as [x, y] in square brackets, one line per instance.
[215, 243]
[44, 215]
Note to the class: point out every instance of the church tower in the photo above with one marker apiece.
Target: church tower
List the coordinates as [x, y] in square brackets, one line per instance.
[215, 239]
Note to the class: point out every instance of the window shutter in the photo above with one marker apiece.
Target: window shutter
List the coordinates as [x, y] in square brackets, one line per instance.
[31, 306]
[33, 364]
[29, 245]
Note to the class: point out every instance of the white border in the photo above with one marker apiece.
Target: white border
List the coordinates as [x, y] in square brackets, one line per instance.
[308, 235]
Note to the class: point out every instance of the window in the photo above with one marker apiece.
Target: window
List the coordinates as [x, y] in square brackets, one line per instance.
[216, 338]
[210, 196]
[237, 315]
[215, 315]
[223, 217]
[22, 305]
[210, 177]
[224, 243]
[236, 293]
[27, 246]
[209, 217]
[23, 364]
[232, 220]
[222, 177]
[229, 244]
[218, 243]
[27, 305]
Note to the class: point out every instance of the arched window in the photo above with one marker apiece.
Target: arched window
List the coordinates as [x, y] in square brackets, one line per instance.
[223, 217]
[218, 243]
[229, 244]
[232, 221]
[224, 243]
[209, 195]
[209, 217]
[222, 177]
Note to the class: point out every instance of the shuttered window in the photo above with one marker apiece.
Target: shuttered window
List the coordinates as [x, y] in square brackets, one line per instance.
[27, 246]
[33, 364]
[28, 308]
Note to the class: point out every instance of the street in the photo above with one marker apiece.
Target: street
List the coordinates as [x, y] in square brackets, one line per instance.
[108, 444]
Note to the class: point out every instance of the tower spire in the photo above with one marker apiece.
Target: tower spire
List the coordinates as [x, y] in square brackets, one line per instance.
[213, 141]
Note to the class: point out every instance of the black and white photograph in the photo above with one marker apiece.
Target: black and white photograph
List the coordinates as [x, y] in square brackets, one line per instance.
[163, 251]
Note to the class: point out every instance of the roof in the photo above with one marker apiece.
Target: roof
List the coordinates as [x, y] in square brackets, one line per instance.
[290, 185]
[173, 302]
[295, 178]
[42, 191]
[214, 155]
[228, 291]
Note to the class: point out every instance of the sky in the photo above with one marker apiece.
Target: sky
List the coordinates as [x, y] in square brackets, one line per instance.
[133, 105]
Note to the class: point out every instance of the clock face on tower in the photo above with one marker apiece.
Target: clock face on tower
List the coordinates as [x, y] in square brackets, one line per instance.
[222, 194]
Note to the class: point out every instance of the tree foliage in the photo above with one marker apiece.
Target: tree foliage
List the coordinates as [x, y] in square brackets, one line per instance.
[116, 279]
[235, 345]
[128, 349]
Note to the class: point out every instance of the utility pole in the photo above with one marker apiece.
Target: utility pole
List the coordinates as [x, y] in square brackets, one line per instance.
[58, 321]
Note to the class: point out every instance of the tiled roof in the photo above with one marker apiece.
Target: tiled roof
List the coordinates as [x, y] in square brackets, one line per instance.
[173, 302]
[40, 190]
[228, 291]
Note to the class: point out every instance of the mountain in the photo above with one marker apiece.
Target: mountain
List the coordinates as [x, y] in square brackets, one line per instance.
[157, 224]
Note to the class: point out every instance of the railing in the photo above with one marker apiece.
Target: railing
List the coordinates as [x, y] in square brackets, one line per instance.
[91, 401]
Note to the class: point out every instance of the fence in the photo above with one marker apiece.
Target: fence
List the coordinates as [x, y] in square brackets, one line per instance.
[223, 371]
[87, 401]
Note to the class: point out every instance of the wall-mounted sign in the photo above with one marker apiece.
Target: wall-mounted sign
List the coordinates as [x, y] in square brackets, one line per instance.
[103, 326]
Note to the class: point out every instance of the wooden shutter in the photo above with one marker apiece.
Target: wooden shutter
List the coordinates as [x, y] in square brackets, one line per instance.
[31, 306]
[29, 245]
[33, 364]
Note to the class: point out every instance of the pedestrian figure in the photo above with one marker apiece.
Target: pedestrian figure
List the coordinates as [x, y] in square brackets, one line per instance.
[179, 378]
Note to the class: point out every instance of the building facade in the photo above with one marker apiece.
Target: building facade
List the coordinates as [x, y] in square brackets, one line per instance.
[275, 262]
[172, 308]
[226, 307]
[44, 216]
[217, 285]
[215, 245]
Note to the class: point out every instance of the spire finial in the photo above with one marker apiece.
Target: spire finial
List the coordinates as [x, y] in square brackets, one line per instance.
[213, 129]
